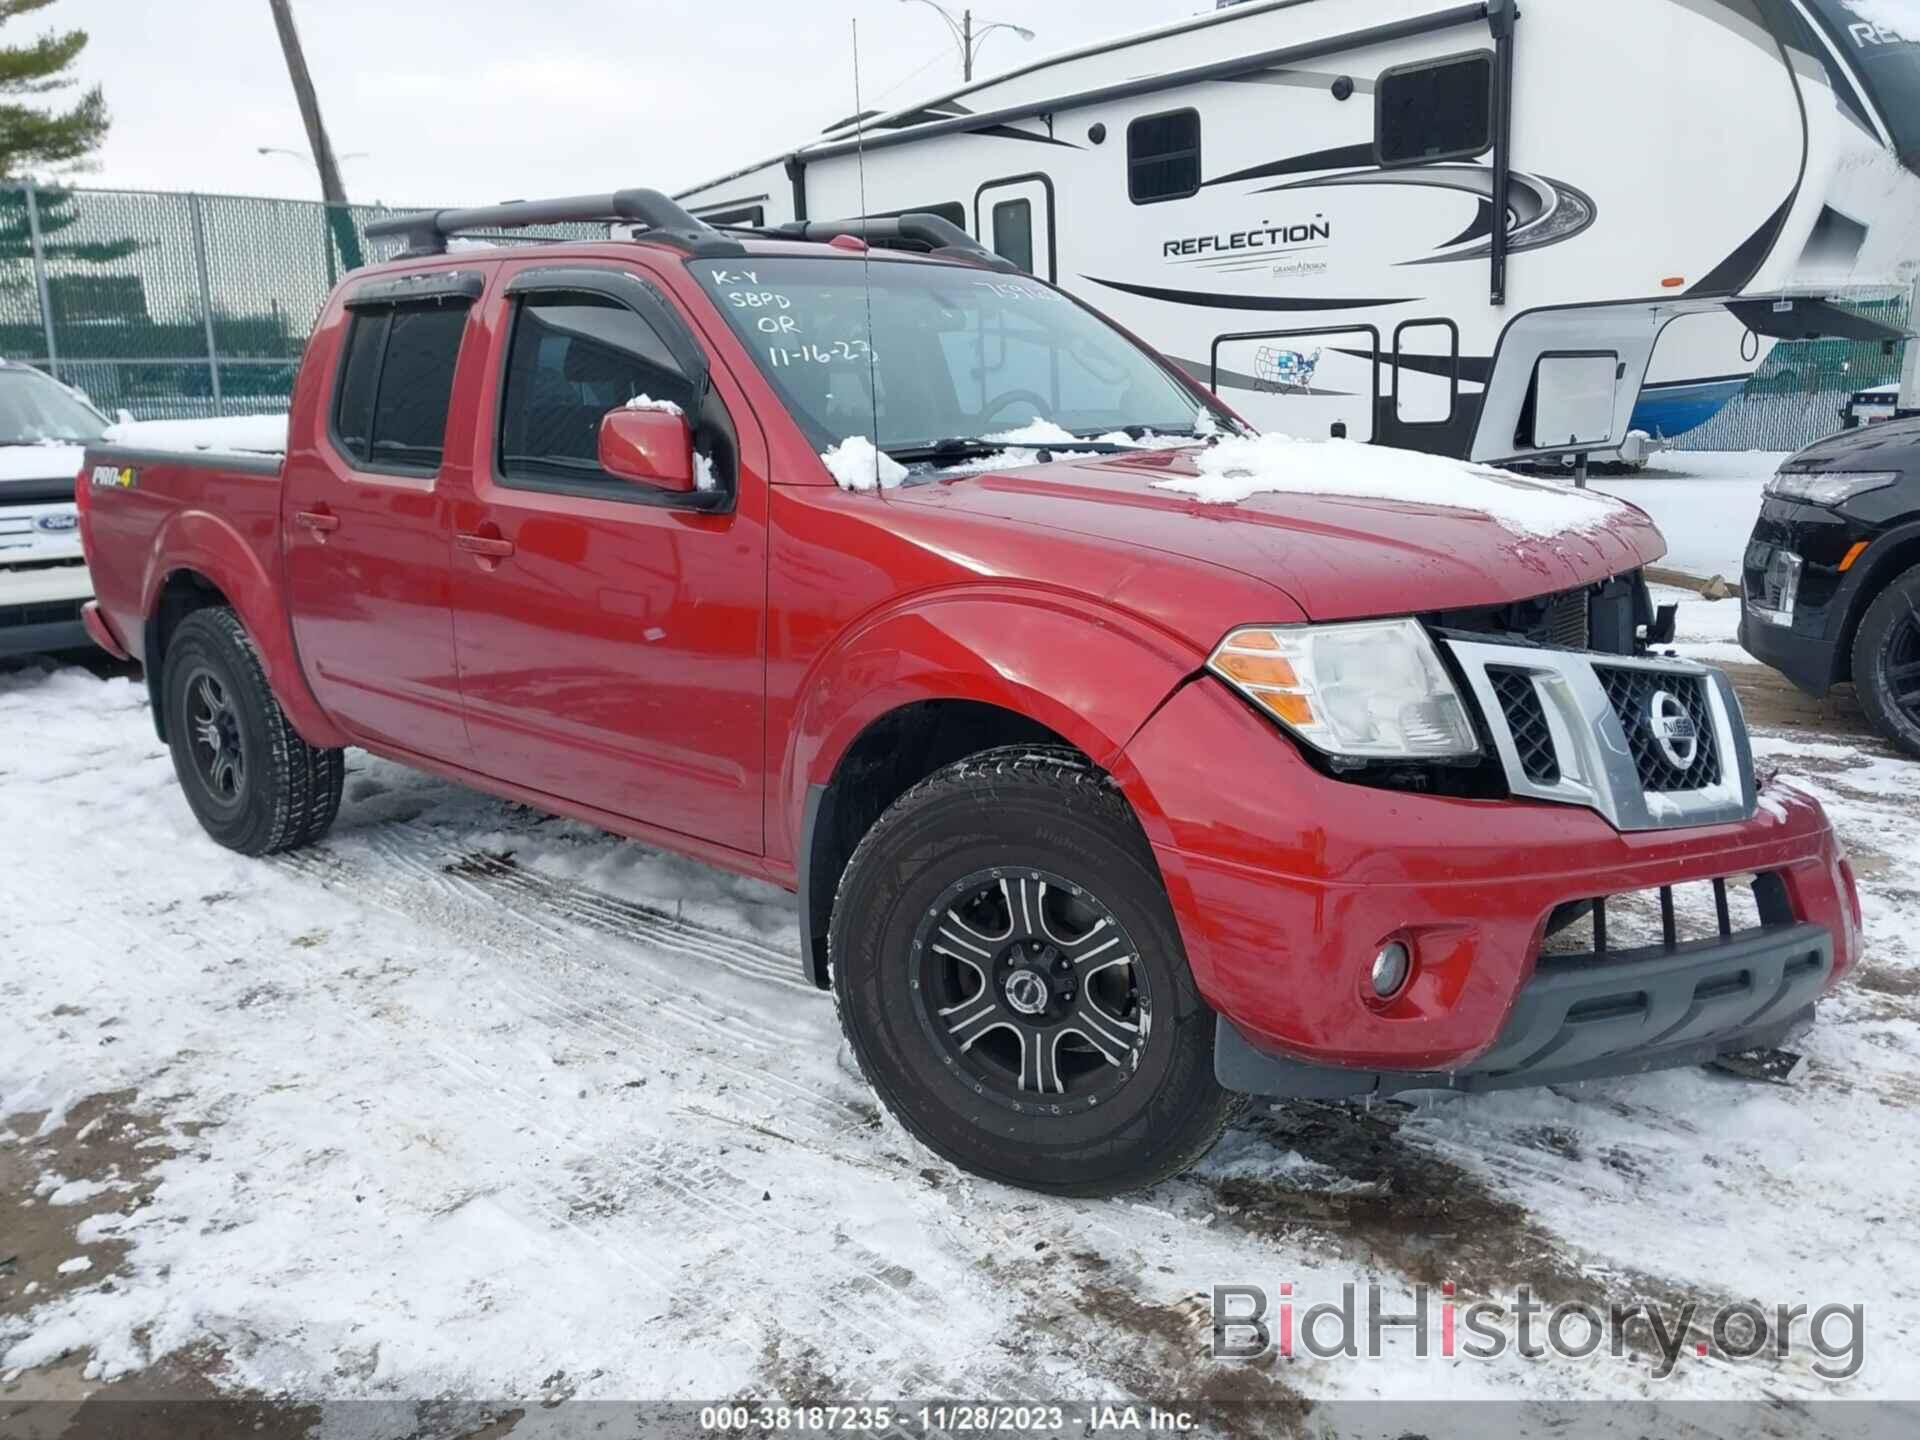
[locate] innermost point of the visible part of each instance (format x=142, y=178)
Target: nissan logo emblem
x=1673, y=730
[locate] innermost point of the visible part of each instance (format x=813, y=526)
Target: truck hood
x=35, y=473
x=1891, y=445
x=1338, y=554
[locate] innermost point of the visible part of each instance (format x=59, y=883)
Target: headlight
x=1369, y=691
x=1828, y=487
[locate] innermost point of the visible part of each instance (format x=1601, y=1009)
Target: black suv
x=1832, y=573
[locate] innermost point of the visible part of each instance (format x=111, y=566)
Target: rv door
x=1014, y=219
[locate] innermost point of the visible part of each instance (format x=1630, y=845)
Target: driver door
x=610, y=636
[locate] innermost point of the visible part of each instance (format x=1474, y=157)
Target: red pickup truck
x=1115, y=777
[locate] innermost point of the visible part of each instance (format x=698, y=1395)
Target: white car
x=43, y=576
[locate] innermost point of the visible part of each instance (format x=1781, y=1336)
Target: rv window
x=1436, y=110
x=1013, y=232
x=1163, y=157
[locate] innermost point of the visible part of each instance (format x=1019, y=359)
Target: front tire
x=1011, y=980
x=251, y=781
x=1886, y=662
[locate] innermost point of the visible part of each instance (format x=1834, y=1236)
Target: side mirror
x=648, y=447
x=123, y=416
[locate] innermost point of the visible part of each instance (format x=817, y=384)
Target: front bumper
x=1811, y=650
x=1582, y=1017
x=1286, y=882
x=40, y=609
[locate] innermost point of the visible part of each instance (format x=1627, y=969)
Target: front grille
x=1527, y=720
x=60, y=612
x=1650, y=744
x=1632, y=694
x=1565, y=625
x=1561, y=621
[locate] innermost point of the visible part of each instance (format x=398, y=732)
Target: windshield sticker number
x=780, y=356
x=1016, y=290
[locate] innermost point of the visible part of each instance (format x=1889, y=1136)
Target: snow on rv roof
x=840, y=129
x=879, y=119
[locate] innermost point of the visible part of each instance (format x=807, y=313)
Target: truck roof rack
x=427, y=231
x=941, y=236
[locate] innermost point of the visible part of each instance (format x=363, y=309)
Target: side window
x=1013, y=232
x=574, y=357
x=1436, y=110
x=1163, y=157
x=391, y=400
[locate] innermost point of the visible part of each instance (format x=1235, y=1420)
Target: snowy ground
x=1705, y=503
x=468, y=1101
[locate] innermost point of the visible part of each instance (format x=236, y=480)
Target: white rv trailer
x=1295, y=199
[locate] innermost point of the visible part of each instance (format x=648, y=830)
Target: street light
x=966, y=37
x=307, y=159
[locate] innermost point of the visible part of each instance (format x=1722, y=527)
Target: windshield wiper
x=958, y=448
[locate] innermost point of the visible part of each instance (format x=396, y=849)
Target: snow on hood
x=48, y=460
x=1238, y=468
x=856, y=465
x=261, y=434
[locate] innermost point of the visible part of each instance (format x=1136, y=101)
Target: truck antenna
x=866, y=254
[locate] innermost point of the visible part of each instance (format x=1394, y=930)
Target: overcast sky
x=470, y=101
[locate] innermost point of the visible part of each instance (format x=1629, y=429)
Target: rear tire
x=1886, y=662
x=252, y=782
x=980, y=985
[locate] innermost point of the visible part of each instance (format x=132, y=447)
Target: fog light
x=1390, y=969
x=1779, y=590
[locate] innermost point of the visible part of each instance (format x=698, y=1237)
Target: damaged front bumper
x=1582, y=1017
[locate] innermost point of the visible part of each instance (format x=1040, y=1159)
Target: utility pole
x=966, y=36
x=332, y=191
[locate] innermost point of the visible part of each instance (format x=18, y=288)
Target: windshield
x=1882, y=40
x=36, y=410
x=956, y=353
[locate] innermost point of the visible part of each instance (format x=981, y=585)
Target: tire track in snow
x=450, y=883
x=867, y=1306
x=450, y=901
x=310, y=983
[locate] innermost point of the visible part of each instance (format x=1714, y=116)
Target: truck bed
x=147, y=513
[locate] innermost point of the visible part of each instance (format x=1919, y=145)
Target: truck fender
x=205, y=544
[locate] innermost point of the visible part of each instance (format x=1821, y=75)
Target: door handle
x=489, y=547
x=321, y=522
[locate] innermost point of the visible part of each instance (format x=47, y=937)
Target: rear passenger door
x=612, y=636
x=365, y=517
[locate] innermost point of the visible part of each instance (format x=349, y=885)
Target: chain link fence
x=1800, y=389
x=171, y=306
x=174, y=306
